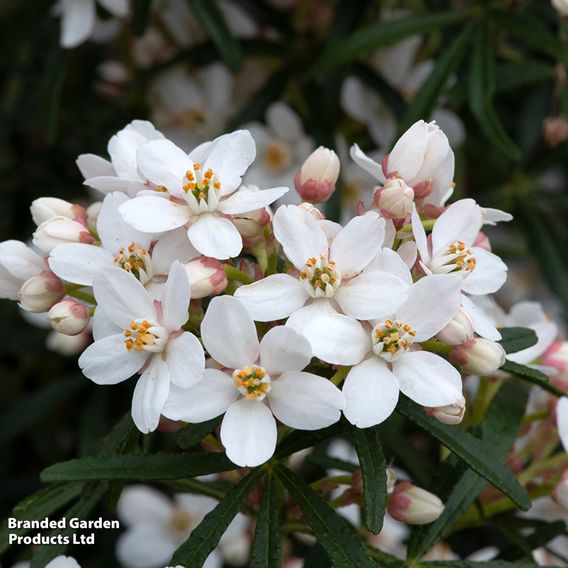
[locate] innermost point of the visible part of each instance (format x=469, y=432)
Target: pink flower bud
x=459, y=330
x=45, y=208
x=58, y=231
x=556, y=356
x=251, y=225
x=40, y=292
x=315, y=180
x=69, y=317
x=451, y=414
x=478, y=356
x=482, y=241
x=207, y=277
x=394, y=199
x=312, y=210
x=560, y=493
x=413, y=505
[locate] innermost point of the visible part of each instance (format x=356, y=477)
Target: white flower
x=263, y=380
x=147, y=337
x=79, y=18
x=331, y=278
x=562, y=421
x=121, y=173
x=144, y=255
x=372, y=387
x=57, y=562
x=18, y=263
x=200, y=191
x=157, y=526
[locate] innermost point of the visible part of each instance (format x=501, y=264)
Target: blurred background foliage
x=498, y=65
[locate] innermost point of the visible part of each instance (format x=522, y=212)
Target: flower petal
x=358, y=243
x=19, y=260
x=150, y=395
x=151, y=214
x=79, y=263
x=108, y=362
x=174, y=245
x=305, y=401
x=185, y=359
x=372, y=167
x=299, y=234
x=248, y=433
x=562, y=417
x=207, y=399
x=146, y=545
x=408, y=154
x=229, y=334
x=482, y=323
x=91, y=165
x=272, y=298
x=462, y=220
x=215, y=236
x=488, y=276
x=428, y=379
x=371, y=393
x=77, y=21
x=175, y=297
x=246, y=201
x=420, y=236
x=282, y=349
x=139, y=502
x=387, y=260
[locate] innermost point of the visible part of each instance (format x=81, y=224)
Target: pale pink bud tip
x=60, y=230
x=207, y=277
x=413, y=505
x=394, y=199
x=40, y=292
x=478, y=356
x=69, y=317
x=315, y=180
x=451, y=414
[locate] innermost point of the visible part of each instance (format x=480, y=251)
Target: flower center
x=137, y=261
x=252, y=382
x=321, y=277
x=391, y=339
x=276, y=156
x=201, y=190
x=457, y=258
x=181, y=521
x=142, y=335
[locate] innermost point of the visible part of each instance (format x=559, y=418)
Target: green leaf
x=140, y=14
x=33, y=408
x=205, y=537
x=531, y=375
x=208, y=14
x=481, y=89
x=471, y=564
x=192, y=434
x=339, y=539
x=515, y=339
x=143, y=467
x=266, y=551
x=456, y=484
x=479, y=456
x=119, y=437
x=365, y=40
x=374, y=470
x=301, y=439
x=427, y=97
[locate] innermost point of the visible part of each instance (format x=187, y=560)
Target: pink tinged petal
x=372, y=167
x=91, y=165
x=372, y=295
x=207, y=399
x=299, y=234
x=246, y=201
x=185, y=359
x=408, y=252
x=489, y=274
x=172, y=246
x=248, y=433
x=121, y=297
x=229, y=157
x=407, y=156
x=273, y=298
x=482, y=323
x=175, y=298
x=19, y=260
x=432, y=302
x=229, y=334
x=154, y=214
x=388, y=260
x=460, y=221
x=282, y=349
x=150, y=395
x=420, y=236
x=562, y=417
x=163, y=163
x=358, y=243
x=305, y=401
x=428, y=379
x=77, y=21
x=335, y=338
x=78, y=263
x=108, y=362
x=371, y=393
x=146, y=544
x=139, y=502
x=215, y=236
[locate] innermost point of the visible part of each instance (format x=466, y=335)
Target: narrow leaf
x=531, y=375
x=339, y=539
x=205, y=537
x=515, y=339
x=192, y=434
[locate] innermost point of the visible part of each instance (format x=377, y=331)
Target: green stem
x=428, y=224
x=437, y=347
x=485, y=394
x=340, y=374
x=236, y=274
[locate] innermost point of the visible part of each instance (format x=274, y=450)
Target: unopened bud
x=207, y=277
x=40, y=292
x=315, y=180
x=45, y=208
x=69, y=317
x=560, y=493
x=478, y=356
x=395, y=199
x=413, y=505
x=451, y=414
x=251, y=225
x=312, y=210
x=58, y=231
x=68, y=345
x=459, y=330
